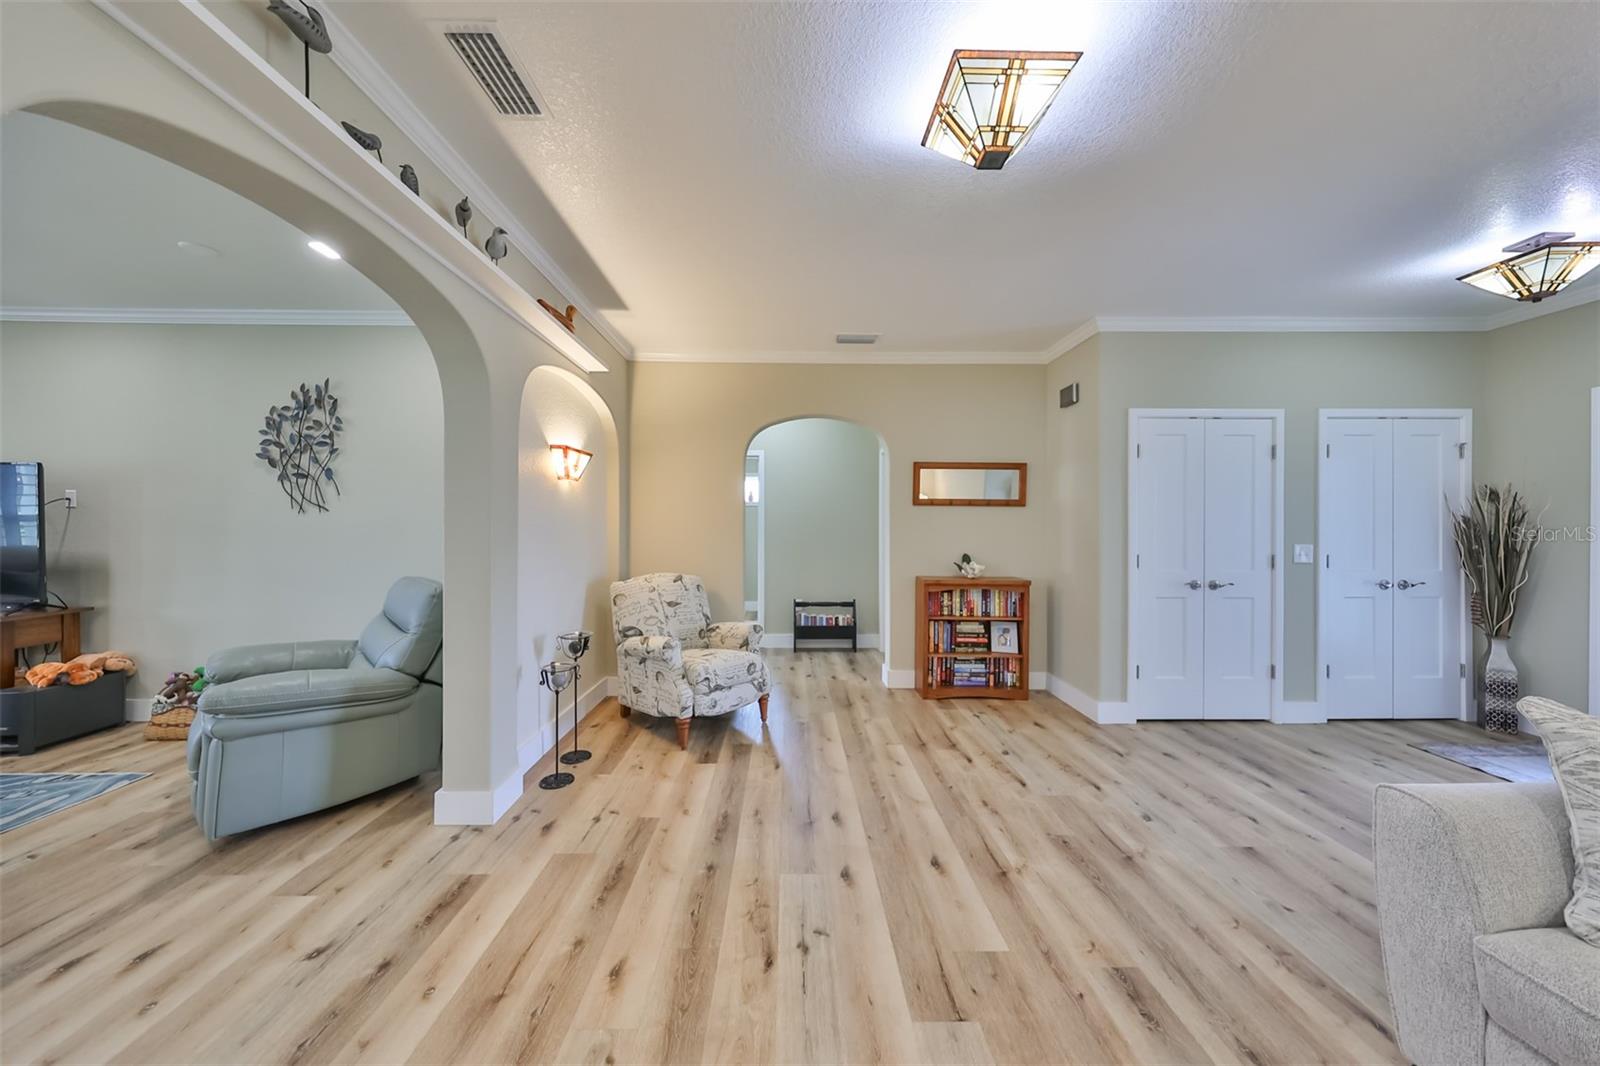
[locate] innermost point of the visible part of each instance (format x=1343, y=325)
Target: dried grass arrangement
x=1495, y=540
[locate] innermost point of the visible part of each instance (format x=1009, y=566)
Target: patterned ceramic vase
x=1500, y=688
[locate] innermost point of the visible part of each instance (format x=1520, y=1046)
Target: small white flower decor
x=969, y=567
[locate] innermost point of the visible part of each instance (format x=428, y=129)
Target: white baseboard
x=485, y=807
x=1097, y=711
x=530, y=751
x=1299, y=712
x=899, y=678
x=476, y=807
x=785, y=642
x=1038, y=681
x=135, y=710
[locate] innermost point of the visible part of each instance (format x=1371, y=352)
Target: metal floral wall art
x=300, y=441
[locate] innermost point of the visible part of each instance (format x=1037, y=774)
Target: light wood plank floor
x=871, y=878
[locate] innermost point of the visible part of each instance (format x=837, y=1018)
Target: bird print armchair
x=674, y=662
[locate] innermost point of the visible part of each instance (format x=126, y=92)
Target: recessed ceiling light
x=991, y=101
x=1540, y=266
x=194, y=248
x=327, y=251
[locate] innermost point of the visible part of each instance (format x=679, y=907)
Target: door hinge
x=1136, y=673
x=1327, y=562
x=1272, y=561
x=1136, y=560
x=1327, y=671
x=1327, y=451
x=1272, y=671
x=1274, y=452
x=1463, y=669
x=1461, y=450
x=1138, y=451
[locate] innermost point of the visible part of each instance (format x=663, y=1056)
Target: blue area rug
x=26, y=798
x=1518, y=759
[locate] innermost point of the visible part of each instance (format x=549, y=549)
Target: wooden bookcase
x=935, y=624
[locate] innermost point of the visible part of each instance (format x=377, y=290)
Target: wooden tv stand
x=33, y=627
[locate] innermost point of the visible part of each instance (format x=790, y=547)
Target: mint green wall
x=822, y=517
x=1534, y=433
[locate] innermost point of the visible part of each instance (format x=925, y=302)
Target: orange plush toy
x=82, y=670
x=109, y=662
x=45, y=674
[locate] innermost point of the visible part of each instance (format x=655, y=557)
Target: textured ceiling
x=92, y=223
x=747, y=177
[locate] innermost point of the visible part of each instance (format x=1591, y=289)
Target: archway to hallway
x=816, y=533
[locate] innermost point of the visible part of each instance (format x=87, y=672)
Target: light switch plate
x=1303, y=553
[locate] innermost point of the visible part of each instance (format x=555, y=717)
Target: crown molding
x=1547, y=306
x=205, y=316
x=848, y=358
x=1142, y=324
x=362, y=68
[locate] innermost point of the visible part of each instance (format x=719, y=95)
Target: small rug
x=1509, y=760
x=26, y=798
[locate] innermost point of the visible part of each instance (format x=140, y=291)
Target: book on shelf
x=975, y=603
x=955, y=672
x=811, y=618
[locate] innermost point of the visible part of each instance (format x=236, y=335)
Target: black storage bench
x=31, y=718
x=825, y=620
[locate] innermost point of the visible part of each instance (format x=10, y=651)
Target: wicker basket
x=170, y=725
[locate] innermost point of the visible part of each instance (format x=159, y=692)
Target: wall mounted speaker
x=1069, y=395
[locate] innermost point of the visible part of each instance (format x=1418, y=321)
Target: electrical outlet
x=71, y=496
x=1303, y=553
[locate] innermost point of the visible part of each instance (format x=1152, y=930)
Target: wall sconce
x=570, y=462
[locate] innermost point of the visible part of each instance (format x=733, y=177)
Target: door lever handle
x=1384, y=584
x=1192, y=584
x=1215, y=585
x=1403, y=584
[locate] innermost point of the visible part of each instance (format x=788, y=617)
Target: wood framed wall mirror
x=969, y=484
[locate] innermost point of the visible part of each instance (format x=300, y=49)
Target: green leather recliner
x=287, y=729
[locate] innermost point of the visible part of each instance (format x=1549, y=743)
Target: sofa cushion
x=1543, y=987
x=409, y=632
x=1572, y=740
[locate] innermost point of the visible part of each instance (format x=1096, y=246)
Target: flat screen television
x=21, y=535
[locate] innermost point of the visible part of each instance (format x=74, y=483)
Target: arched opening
x=569, y=548
x=479, y=701
x=816, y=534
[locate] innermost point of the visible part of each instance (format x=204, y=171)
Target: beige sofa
x=1471, y=883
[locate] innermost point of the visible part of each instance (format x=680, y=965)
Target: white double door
x=1391, y=626
x=1202, y=591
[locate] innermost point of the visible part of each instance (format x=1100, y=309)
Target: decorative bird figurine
x=566, y=318
x=463, y=215
x=305, y=22
x=369, y=141
x=496, y=245
x=408, y=178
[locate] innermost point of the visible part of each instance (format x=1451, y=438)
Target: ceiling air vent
x=856, y=338
x=494, y=69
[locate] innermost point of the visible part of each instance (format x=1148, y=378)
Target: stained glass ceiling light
x=991, y=101
x=1541, y=266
